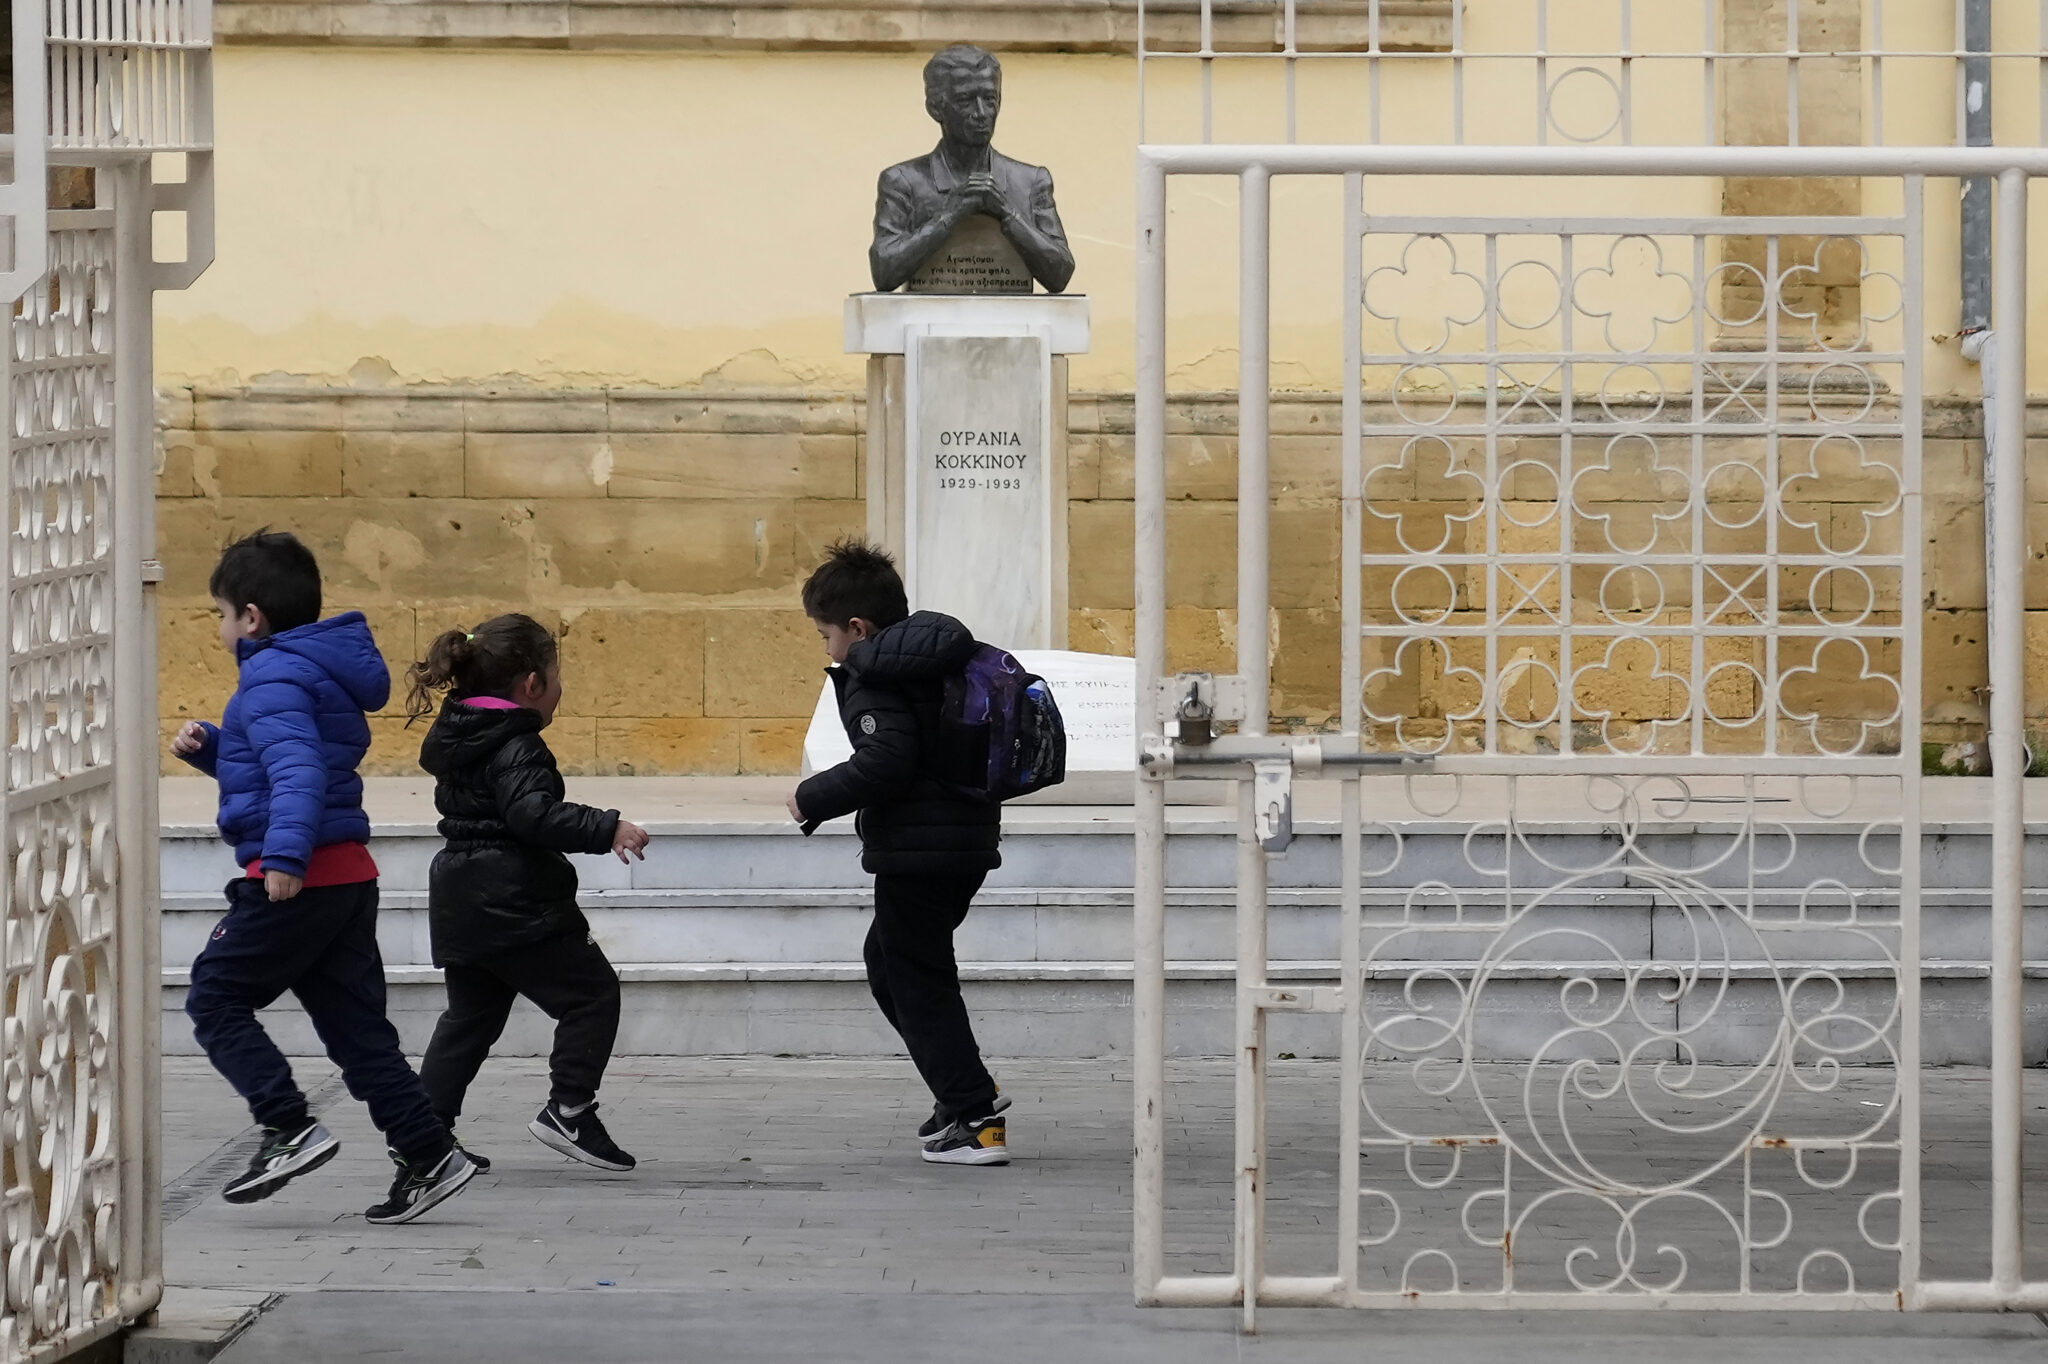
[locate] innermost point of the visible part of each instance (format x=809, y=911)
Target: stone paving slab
x=794, y=1328
x=776, y=1196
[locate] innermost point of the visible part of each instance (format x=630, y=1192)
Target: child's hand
x=190, y=738
x=796, y=812
x=630, y=838
x=282, y=885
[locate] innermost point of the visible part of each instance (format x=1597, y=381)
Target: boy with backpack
x=929, y=843
x=303, y=916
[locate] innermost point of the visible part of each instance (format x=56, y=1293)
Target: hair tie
x=470, y=637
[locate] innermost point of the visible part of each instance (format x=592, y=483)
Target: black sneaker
x=981, y=1142
x=282, y=1157
x=581, y=1137
x=482, y=1163
x=419, y=1187
x=939, y=1122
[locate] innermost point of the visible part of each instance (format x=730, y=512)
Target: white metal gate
x=1674, y=584
x=110, y=87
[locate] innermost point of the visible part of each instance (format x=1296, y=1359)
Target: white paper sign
x=1097, y=695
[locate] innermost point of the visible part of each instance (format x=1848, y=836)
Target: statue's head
x=963, y=92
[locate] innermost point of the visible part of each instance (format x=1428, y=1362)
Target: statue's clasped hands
x=979, y=193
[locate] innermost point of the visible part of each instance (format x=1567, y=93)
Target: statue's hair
x=961, y=59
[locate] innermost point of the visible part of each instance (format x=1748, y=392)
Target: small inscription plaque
x=976, y=259
x=979, y=509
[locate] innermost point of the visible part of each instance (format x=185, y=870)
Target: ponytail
x=486, y=661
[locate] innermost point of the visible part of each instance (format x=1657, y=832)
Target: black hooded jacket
x=890, y=689
x=502, y=882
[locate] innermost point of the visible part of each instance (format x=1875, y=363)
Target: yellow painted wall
x=679, y=219
x=568, y=219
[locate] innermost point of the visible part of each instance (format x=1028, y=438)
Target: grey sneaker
x=282, y=1157
x=420, y=1187
x=982, y=1142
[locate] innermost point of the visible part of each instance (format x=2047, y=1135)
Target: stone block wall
x=664, y=535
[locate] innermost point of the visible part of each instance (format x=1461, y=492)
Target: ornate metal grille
x=1630, y=502
x=1629, y=987
x=113, y=87
x=1583, y=72
x=61, y=1133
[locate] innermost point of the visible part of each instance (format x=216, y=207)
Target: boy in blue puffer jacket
x=304, y=916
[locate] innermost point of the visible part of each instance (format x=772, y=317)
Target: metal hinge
x=152, y=571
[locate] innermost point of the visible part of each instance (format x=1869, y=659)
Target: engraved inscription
x=976, y=259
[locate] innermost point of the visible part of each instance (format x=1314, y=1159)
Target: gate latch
x=1196, y=703
x=1273, y=803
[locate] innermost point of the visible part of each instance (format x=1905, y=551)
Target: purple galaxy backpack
x=1000, y=733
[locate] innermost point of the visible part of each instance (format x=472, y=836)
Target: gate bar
x=138, y=937
x=1148, y=922
x=2008, y=739
x=1254, y=664
x=1659, y=162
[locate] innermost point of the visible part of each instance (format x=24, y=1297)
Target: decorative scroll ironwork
x=1705, y=1005
x=59, y=1181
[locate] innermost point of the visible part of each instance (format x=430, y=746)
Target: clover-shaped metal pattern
x=1424, y=693
x=1630, y=496
x=1633, y=295
x=1427, y=498
x=1625, y=689
x=1844, y=701
x=1426, y=296
x=1835, y=267
x=1837, y=492
x=1603, y=467
x=60, y=1185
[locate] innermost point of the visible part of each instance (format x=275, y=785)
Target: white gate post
x=139, y=939
x=1254, y=594
x=1148, y=919
x=2008, y=739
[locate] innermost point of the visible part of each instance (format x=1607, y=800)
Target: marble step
x=740, y=935
x=1082, y=1009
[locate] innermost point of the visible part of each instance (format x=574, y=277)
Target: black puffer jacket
x=890, y=689
x=502, y=881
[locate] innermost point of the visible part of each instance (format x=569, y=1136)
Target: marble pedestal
x=966, y=452
x=967, y=486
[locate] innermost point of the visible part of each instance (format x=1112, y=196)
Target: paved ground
x=780, y=1212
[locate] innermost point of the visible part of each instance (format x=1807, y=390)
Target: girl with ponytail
x=501, y=898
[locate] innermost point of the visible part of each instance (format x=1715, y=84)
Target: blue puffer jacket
x=286, y=751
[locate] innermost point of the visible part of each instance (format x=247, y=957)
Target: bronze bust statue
x=966, y=218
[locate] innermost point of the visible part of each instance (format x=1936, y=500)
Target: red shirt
x=332, y=864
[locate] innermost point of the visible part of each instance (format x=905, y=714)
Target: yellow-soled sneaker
x=981, y=1142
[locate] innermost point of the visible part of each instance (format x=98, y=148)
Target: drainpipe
x=1979, y=343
